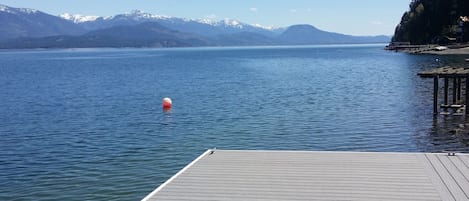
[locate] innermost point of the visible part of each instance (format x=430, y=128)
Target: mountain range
x=29, y=28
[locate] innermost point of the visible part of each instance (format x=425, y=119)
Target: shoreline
x=458, y=51
x=432, y=49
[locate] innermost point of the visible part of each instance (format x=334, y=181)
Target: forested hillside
x=434, y=21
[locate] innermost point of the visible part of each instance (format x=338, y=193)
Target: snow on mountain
x=227, y=22
x=141, y=16
x=77, y=18
x=223, y=23
x=7, y=9
x=135, y=25
x=3, y=8
x=25, y=22
x=264, y=27
x=135, y=15
x=27, y=10
x=232, y=23
x=204, y=21
x=138, y=14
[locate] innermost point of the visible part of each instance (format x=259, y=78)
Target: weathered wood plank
x=456, y=72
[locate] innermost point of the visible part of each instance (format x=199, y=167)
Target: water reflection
x=449, y=133
x=167, y=110
x=442, y=132
x=336, y=98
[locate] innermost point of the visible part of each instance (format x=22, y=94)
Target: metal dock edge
x=149, y=196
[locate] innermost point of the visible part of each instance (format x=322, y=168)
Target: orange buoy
x=167, y=103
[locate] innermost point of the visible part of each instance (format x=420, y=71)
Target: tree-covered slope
x=432, y=21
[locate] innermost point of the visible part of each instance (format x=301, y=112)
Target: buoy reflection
x=166, y=109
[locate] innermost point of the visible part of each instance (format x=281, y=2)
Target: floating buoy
x=167, y=103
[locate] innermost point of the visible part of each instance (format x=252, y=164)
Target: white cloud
x=293, y=10
x=253, y=9
x=376, y=22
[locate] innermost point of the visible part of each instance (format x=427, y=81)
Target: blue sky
x=355, y=17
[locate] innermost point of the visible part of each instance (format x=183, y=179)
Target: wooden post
x=459, y=89
x=446, y=92
x=467, y=94
x=435, y=95
x=455, y=86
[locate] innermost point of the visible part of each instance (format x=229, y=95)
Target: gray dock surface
x=307, y=175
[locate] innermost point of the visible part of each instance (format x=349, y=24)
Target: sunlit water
x=88, y=124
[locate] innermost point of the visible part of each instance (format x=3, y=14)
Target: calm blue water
x=88, y=124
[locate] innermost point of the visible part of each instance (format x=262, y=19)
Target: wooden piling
x=467, y=94
x=455, y=86
x=459, y=90
x=446, y=92
x=457, y=74
x=435, y=95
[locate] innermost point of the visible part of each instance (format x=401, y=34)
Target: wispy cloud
x=293, y=10
x=253, y=9
x=376, y=22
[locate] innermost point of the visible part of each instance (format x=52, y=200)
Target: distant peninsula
x=22, y=28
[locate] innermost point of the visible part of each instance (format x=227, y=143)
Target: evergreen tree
x=431, y=21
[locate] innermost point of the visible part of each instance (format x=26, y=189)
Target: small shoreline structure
x=457, y=75
x=318, y=175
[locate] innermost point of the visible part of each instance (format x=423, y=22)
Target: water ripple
x=87, y=125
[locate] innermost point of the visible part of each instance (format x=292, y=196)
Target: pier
x=314, y=175
x=456, y=75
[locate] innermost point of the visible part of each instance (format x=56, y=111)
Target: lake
x=87, y=124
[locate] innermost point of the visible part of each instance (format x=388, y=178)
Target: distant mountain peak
x=208, y=21
x=77, y=18
x=139, y=14
x=232, y=23
x=303, y=26
x=7, y=9
x=141, y=29
x=270, y=28
x=227, y=22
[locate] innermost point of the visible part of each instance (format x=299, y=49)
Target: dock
x=456, y=75
x=314, y=175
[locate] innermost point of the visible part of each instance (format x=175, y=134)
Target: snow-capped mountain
x=205, y=27
x=140, y=15
x=29, y=28
x=223, y=23
x=78, y=18
x=12, y=10
x=24, y=22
